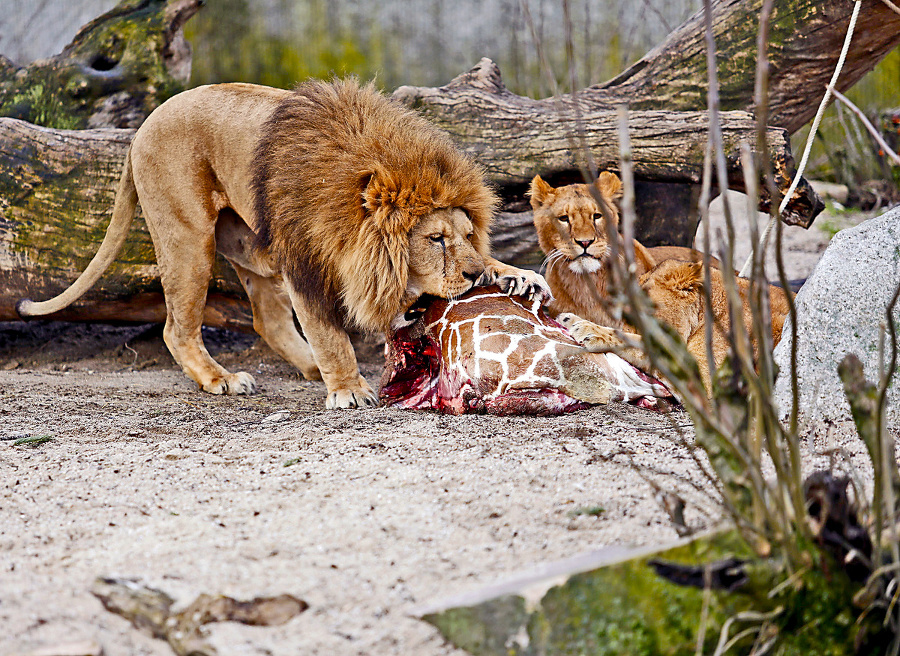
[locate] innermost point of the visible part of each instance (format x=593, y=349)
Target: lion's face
x=570, y=226
x=442, y=258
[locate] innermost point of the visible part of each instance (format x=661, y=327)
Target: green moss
x=58, y=236
x=475, y=628
x=627, y=609
x=232, y=45
x=63, y=92
x=39, y=103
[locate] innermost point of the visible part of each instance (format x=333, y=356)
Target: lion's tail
x=116, y=233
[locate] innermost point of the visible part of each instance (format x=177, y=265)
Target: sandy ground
x=363, y=514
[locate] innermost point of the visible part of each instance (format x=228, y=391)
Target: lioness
x=572, y=233
x=676, y=289
x=330, y=200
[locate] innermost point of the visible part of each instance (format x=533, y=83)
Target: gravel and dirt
x=363, y=514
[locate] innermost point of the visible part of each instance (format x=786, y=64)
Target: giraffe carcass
x=489, y=352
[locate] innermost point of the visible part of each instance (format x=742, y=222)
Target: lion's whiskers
x=552, y=258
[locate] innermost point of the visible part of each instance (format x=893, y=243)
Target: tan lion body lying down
x=572, y=232
x=330, y=201
x=676, y=288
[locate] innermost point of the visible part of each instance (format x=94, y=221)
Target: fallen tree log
x=56, y=187
x=514, y=137
x=805, y=40
x=56, y=192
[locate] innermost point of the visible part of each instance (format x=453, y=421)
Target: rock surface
x=841, y=308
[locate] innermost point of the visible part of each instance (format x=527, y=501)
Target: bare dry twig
x=868, y=125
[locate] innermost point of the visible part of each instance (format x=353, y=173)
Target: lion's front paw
x=522, y=282
x=591, y=336
x=361, y=396
x=568, y=319
x=237, y=383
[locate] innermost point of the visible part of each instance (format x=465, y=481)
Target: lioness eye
x=597, y=216
x=470, y=235
x=562, y=218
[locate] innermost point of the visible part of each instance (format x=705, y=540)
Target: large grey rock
x=840, y=309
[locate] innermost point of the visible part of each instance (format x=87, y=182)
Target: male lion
x=330, y=200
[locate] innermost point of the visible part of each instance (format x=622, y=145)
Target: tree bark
x=514, y=137
x=116, y=70
x=805, y=40
x=56, y=192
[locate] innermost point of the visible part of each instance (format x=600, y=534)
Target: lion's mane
x=341, y=176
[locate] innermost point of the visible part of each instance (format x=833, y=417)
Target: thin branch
x=708, y=317
x=868, y=125
x=812, y=132
x=715, y=123
x=627, y=173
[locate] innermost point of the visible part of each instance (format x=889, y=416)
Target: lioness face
x=570, y=225
x=442, y=260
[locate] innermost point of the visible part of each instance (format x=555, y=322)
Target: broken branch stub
x=116, y=70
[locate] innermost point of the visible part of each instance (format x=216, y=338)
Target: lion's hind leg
x=185, y=294
x=273, y=320
x=273, y=316
x=184, y=239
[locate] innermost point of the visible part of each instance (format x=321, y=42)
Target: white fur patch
x=585, y=265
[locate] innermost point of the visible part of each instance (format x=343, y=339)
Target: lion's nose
x=584, y=243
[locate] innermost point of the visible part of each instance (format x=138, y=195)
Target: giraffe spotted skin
x=489, y=352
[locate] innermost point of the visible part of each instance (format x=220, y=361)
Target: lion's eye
x=597, y=216
x=470, y=236
x=562, y=218
x=437, y=239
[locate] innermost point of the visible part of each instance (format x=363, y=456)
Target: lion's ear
x=379, y=191
x=386, y=202
x=609, y=185
x=540, y=192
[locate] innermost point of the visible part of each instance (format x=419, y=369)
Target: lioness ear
x=685, y=277
x=540, y=191
x=609, y=185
